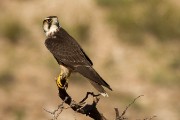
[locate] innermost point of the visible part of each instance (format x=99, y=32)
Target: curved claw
x=62, y=82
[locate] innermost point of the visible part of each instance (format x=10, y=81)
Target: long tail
x=99, y=88
x=94, y=77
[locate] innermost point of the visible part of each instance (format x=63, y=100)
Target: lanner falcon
x=69, y=55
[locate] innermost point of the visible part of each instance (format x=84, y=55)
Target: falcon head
x=50, y=25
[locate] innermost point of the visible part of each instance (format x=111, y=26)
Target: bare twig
x=117, y=112
x=118, y=117
x=150, y=118
x=121, y=117
x=123, y=113
x=55, y=113
x=84, y=108
x=87, y=94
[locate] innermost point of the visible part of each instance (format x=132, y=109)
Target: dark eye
x=49, y=20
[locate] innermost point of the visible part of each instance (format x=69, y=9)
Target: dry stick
x=60, y=107
x=117, y=112
x=54, y=112
x=152, y=117
x=149, y=118
x=87, y=109
x=123, y=113
x=87, y=94
x=121, y=117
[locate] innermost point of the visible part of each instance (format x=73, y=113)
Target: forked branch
x=87, y=109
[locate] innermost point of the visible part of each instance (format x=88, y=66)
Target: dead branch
x=57, y=111
x=121, y=117
x=150, y=118
x=81, y=107
x=87, y=109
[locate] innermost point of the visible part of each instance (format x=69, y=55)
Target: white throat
x=52, y=30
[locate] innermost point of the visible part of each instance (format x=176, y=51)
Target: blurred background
x=134, y=44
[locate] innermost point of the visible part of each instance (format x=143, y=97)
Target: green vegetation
x=175, y=64
x=81, y=32
x=169, y=74
x=166, y=78
x=6, y=79
x=19, y=113
x=13, y=30
x=134, y=19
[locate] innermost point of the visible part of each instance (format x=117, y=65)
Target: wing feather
x=66, y=50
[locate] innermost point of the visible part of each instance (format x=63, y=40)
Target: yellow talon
x=58, y=82
x=62, y=82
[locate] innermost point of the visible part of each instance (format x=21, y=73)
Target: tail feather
x=99, y=88
x=96, y=80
